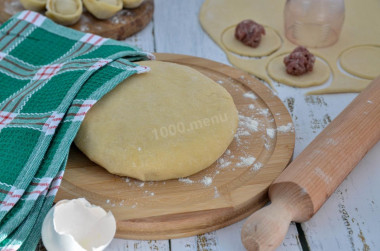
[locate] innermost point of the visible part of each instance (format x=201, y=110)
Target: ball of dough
x=168, y=123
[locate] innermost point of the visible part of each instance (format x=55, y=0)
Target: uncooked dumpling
x=168, y=123
x=35, y=5
x=65, y=12
x=103, y=9
x=130, y=4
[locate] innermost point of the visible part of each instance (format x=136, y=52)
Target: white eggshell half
x=73, y=225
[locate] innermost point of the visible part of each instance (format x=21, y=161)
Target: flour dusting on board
x=271, y=132
x=249, y=123
x=256, y=166
x=246, y=161
x=216, y=193
x=250, y=95
x=264, y=112
x=186, y=180
x=222, y=163
x=206, y=180
x=285, y=128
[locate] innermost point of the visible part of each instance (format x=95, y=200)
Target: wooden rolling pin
x=303, y=187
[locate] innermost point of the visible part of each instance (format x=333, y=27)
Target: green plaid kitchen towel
x=50, y=76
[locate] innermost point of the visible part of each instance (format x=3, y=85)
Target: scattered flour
x=206, y=181
x=216, y=193
x=257, y=166
x=222, y=163
x=246, y=161
x=271, y=132
x=186, y=180
x=264, y=112
x=228, y=151
x=267, y=142
x=139, y=149
x=127, y=180
x=220, y=81
x=369, y=101
x=251, y=106
x=115, y=20
x=242, y=132
x=141, y=184
x=250, y=95
x=251, y=124
x=285, y=128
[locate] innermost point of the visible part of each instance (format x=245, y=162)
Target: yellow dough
x=360, y=28
x=270, y=42
x=362, y=61
x=35, y=5
x=319, y=75
x=130, y=4
x=103, y=9
x=168, y=123
x=65, y=12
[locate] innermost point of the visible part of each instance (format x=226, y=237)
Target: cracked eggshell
x=77, y=225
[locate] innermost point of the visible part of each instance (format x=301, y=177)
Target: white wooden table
x=349, y=220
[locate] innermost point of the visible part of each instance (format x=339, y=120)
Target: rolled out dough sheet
x=360, y=28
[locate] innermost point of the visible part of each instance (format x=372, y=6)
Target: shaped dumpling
x=65, y=12
x=103, y=9
x=130, y=4
x=35, y=5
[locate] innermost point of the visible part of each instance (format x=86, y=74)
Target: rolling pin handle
x=266, y=229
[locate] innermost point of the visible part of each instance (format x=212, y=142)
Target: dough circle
x=362, y=61
x=168, y=123
x=277, y=71
x=270, y=43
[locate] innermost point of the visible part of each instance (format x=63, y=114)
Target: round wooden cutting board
x=229, y=190
x=122, y=25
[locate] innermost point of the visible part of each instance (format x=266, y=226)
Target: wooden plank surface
x=350, y=218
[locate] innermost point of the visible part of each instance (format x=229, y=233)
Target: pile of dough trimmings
x=168, y=123
x=68, y=12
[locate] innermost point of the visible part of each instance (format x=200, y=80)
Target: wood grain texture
x=342, y=223
x=171, y=209
x=313, y=176
x=122, y=25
